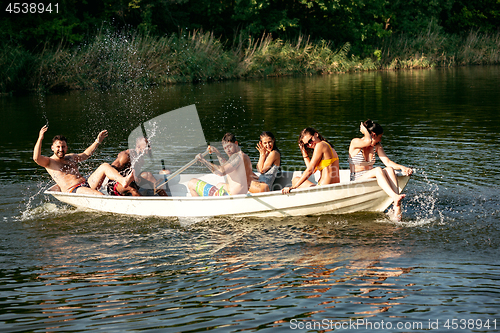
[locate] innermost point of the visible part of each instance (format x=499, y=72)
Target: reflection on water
x=221, y=272
x=63, y=269
x=247, y=274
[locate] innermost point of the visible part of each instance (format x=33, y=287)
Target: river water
x=63, y=269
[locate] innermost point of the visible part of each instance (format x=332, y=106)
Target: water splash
x=188, y=221
x=42, y=106
x=38, y=206
x=30, y=201
x=47, y=209
x=421, y=208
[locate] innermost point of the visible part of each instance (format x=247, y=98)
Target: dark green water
x=67, y=270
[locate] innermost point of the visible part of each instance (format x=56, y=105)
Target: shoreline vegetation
x=124, y=59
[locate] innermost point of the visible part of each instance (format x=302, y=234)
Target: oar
x=167, y=189
x=163, y=168
x=172, y=175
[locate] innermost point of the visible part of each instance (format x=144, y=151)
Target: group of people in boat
x=319, y=155
x=317, y=152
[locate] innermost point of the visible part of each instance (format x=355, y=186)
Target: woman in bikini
x=362, y=157
x=324, y=159
x=269, y=158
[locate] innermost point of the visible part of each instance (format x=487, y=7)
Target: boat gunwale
x=317, y=188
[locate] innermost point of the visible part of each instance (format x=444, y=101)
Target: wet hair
x=311, y=131
x=373, y=127
x=229, y=137
x=59, y=138
x=269, y=135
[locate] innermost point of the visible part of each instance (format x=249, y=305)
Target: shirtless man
x=63, y=167
x=238, y=169
x=132, y=160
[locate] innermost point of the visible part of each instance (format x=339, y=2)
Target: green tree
x=465, y=15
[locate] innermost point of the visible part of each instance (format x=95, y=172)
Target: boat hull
x=345, y=197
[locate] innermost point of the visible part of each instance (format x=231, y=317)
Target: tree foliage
x=362, y=23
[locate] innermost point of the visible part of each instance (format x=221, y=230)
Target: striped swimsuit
x=359, y=160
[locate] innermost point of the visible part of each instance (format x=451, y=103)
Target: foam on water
x=47, y=209
x=188, y=221
x=38, y=206
x=420, y=208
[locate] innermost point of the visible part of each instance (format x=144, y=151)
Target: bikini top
x=325, y=163
x=359, y=159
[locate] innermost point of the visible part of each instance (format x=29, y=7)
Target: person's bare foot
x=397, y=207
x=397, y=201
x=397, y=213
x=127, y=180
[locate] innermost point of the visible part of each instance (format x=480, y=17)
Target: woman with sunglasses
x=324, y=159
x=362, y=157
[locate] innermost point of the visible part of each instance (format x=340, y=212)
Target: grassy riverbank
x=127, y=59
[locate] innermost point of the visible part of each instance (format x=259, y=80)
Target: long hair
x=270, y=135
x=373, y=127
x=311, y=131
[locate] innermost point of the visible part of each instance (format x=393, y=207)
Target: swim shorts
x=207, y=190
x=73, y=188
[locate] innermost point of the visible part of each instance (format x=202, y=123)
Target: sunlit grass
x=117, y=59
x=440, y=50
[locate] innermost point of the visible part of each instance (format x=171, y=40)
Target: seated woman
x=269, y=159
x=362, y=157
x=324, y=158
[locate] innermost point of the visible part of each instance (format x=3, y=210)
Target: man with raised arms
x=238, y=169
x=63, y=167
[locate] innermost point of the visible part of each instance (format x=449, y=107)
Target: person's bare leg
x=385, y=184
x=192, y=187
x=306, y=183
x=130, y=189
x=95, y=179
x=258, y=187
x=86, y=190
x=397, y=207
x=392, y=179
x=128, y=180
x=149, y=177
x=100, y=181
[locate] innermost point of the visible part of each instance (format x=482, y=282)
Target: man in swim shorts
x=131, y=160
x=238, y=169
x=63, y=167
